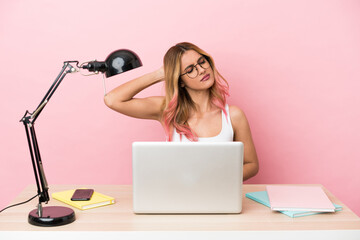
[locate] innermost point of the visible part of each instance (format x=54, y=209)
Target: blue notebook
x=262, y=197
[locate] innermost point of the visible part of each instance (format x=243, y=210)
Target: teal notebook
x=262, y=197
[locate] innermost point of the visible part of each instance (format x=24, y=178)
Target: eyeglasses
x=192, y=71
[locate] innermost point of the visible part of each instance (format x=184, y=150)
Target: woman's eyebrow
x=192, y=65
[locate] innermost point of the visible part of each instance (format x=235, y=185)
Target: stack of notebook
x=295, y=201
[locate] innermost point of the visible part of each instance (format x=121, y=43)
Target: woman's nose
x=200, y=69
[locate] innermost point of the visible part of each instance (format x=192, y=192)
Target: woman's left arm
x=242, y=134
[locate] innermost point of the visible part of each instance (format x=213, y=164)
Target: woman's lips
x=206, y=77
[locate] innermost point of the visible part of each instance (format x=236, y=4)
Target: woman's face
x=196, y=72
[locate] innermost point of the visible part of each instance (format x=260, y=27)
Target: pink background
x=292, y=66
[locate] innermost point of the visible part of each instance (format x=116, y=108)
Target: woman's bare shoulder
x=236, y=113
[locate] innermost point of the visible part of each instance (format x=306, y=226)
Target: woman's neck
x=202, y=102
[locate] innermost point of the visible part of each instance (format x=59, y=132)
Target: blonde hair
x=178, y=102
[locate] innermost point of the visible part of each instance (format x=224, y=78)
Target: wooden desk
x=119, y=218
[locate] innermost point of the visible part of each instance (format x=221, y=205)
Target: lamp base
x=52, y=216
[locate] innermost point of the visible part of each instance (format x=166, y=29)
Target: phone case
x=82, y=194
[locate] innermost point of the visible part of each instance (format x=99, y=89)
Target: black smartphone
x=82, y=194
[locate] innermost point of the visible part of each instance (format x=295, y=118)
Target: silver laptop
x=193, y=177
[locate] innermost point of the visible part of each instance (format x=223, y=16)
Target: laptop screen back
x=194, y=177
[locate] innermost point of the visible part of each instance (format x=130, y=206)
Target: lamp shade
x=121, y=61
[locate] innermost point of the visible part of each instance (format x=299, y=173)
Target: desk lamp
x=117, y=62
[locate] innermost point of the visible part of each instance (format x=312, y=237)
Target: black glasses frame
x=197, y=68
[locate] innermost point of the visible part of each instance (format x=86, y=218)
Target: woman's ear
x=182, y=84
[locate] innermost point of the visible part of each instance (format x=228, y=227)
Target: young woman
x=194, y=106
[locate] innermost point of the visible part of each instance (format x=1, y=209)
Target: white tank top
x=226, y=134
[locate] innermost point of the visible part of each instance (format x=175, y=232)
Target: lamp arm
x=53, y=88
x=29, y=120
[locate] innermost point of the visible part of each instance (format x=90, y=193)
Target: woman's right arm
x=121, y=99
